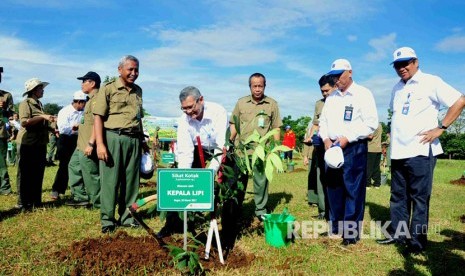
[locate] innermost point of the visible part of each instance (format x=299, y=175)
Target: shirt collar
x=264, y=100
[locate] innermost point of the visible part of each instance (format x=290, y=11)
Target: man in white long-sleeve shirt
x=68, y=122
x=204, y=122
x=349, y=116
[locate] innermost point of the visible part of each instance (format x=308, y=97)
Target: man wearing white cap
x=415, y=102
x=69, y=118
x=348, y=117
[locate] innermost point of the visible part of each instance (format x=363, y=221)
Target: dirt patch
x=460, y=181
x=121, y=254
x=462, y=218
x=298, y=170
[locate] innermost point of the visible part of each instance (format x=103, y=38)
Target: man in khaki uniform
x=374, y=158
x=261, y=113
x=32, y=142
x=83, y=169
x=6, y=109
x=119, y=137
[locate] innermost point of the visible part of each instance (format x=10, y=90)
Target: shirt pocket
x=118, y=103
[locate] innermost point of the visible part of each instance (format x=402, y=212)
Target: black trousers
x=411, y=186
x=65, y=149
x=30, y=174
x=373, y=169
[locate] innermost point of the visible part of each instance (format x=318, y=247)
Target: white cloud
x=382, y=46
x=352, y=38
x=455, y=44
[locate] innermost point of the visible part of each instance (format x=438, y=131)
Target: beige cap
x=30, y=84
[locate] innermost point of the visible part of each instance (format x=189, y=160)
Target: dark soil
x=121, y=254
x=462, y=218
x=460, y=181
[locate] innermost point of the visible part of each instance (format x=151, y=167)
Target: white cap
x=403, y=54
x=339, y=66
x=146, y=164
x=79, y=96
x=334, y=157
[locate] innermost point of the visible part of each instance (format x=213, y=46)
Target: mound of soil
x=460, y=181
x=121, y=254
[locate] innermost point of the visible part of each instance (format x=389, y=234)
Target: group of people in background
x=101, y=140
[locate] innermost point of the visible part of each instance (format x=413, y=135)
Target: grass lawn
x=28, y=240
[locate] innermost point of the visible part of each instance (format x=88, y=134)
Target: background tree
x=52, y=108
x=299, y=127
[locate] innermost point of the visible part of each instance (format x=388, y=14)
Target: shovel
x=133, y=211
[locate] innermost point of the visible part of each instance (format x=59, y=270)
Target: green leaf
x=260, y=151
x=269, y=170
x=267, y=135
x=247, y=162
x=280, y=148
x=254, y=137
x=277, y=162
x=254, y=157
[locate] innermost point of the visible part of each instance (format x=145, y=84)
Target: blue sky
x=215, y=45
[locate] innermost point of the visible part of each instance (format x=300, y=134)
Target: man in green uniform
x=84, y=179
x=316, y=178
x=119, y=136
x=261, y=113
x=374, y=158
x=6, y=109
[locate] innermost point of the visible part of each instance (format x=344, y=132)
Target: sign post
x=185, y=190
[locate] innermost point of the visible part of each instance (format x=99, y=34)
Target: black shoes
x=135, y=224
x=387, y=241
x=77, y=203
x=346, y=242
x=412, y=250
x=108, y=229
x=165, y=232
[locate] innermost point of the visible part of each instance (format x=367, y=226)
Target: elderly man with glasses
x=202, y=122
x=415, y=102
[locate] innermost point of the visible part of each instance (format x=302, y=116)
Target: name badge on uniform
x=406, y=105
x=348, y=113
x=405, y=108
x=261, y=119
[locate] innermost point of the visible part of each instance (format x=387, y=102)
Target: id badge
x=405, y=108
x=348, y=113
x=261, y=121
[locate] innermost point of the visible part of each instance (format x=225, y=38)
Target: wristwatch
x=442, y=126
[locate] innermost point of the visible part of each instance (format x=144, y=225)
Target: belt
x=126, y=132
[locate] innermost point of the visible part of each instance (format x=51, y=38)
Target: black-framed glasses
x=189, y=109
x=87, y=80
x=401, y=64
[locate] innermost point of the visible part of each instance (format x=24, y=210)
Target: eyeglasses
x=401, y=64
x=79, y=101
x=88, y=80
x=189, y=109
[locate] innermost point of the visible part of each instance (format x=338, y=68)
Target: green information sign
x=185, y=190
x=167, y=158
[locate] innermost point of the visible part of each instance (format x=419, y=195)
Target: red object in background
x=289, y=139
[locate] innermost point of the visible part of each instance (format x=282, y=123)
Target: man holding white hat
x=69, y=118
x=348, y=117
x=415, y=102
